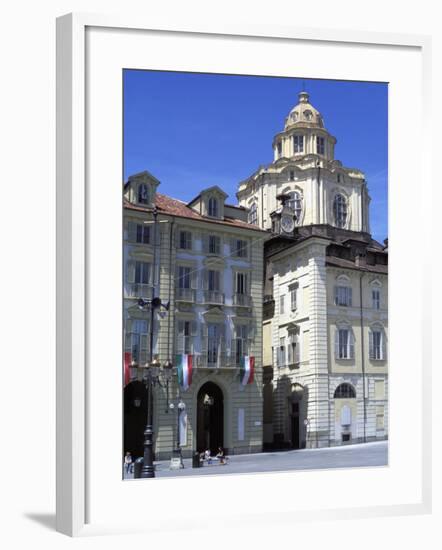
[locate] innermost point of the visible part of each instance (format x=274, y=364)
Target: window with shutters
x=281, y=352
x=136, y=340
x=281, y=304
x=240, y=343
x=184, y=277
x=185, y=240
x=242, y=295
x=139, y=278
x=298, y=143
x=139, y=233
x=214, y=244
x=186, y=332
x=238, y=248
x=213, y=280
x=343, y=296
x=376, y=298
x=344, y=343
x=377, y=348
x=214, y=343
x=213, y=207
x=143, y=194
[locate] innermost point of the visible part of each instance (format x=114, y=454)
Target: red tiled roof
x=175, y=207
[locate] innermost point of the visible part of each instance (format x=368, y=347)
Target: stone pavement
x=347, y=456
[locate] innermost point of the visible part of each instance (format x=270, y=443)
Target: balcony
x=213, y=361
x=242, y=300
x=213, y=297
x=139, y=290
x=185, y=295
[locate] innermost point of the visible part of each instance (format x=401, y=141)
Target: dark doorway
x=210, y=418
x=135, y=418
x=294, y=417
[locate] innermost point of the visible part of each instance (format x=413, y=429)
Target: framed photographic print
x=234, y=227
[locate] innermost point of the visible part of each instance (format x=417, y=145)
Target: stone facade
x=209, y=265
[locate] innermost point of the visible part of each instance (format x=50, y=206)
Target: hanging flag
x=184, y=368
x=247, y=370
x=127, y=362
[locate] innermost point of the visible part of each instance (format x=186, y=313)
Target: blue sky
x=192, y=131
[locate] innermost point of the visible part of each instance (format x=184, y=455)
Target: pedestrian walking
x=127, y=462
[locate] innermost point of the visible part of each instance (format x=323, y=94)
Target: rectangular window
x=239, y=248
x=184, y=277
x=142, y=273
x=376, y=298
x=343, y=296
x=185, y=240
x=186, y=331
x=138, y=233
x=281, y=304
x=344, y=344
x=213, y=280
x=137, y=340
x=298, y=144
x=240, y=344
x=376, y=345
x=293, y=294
x=241, y=283
x=282, y=351
x=214, y=342
x=320, y=145
x=214, y=244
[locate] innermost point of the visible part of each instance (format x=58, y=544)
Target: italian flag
x=184, y=369
x=127, y=362
x=247, y=370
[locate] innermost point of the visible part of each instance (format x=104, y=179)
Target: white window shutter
x=130, y=271
x=351, y=340
x=194, y=278
x=337, y=343
x=143, y=348
x=383, y=346
x=194, y=328
x=371, y=345
x=336, y=296
x=205, y=241
x=350, y=297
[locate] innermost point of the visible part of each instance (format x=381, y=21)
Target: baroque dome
x=304, y=114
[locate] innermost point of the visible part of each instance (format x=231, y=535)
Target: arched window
x=345, y=391
x=213, y=207
x=253, y=214
x=340, y=210
x=143, y=194
x=295, y=203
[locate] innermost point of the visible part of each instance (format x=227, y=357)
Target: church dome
x=304, y=114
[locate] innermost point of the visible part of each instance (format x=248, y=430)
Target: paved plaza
x=348, y=456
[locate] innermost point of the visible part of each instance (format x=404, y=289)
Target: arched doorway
x=135, y=418
x=210, y=418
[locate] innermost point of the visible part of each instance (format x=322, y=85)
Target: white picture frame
x=81, y=41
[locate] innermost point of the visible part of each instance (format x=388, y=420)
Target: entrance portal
x=135, y=417
x=210, y=418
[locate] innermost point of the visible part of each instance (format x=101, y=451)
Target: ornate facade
x=206, y=263
x=325, y=329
